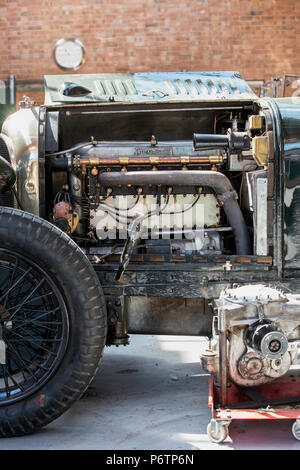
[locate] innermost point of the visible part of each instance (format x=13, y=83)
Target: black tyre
x=52, y=322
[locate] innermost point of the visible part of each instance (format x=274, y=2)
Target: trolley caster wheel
x=217, y=431
x=296, y=429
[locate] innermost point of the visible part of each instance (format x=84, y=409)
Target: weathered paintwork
x=289, y=109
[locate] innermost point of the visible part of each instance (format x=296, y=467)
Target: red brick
x=260, y=39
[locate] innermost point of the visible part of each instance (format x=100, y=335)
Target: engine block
x=177, y=215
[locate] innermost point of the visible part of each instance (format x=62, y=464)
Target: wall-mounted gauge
x=69, y=54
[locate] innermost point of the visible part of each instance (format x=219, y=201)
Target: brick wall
x=260, y=38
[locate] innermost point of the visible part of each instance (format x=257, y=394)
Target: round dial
x=69, y=54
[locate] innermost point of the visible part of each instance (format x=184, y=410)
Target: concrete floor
x=151, y=395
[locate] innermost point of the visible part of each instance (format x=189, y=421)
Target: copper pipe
x=149, y=160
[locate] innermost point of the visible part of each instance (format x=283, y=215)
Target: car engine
x=181, y=196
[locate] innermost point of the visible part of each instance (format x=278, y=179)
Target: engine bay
x=178, y=182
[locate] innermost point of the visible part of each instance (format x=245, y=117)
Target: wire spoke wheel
x=53, y=323
x=34, y=327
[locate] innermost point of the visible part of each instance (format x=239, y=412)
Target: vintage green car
x=136, y=199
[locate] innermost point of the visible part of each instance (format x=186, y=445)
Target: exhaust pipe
x=226, y=195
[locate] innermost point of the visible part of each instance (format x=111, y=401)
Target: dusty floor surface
x=151, y=395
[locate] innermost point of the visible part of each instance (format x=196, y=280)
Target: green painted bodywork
x=289, y=109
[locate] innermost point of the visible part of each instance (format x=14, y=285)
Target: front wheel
x=52, y=322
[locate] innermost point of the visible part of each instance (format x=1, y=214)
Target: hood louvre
x=151, y=87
